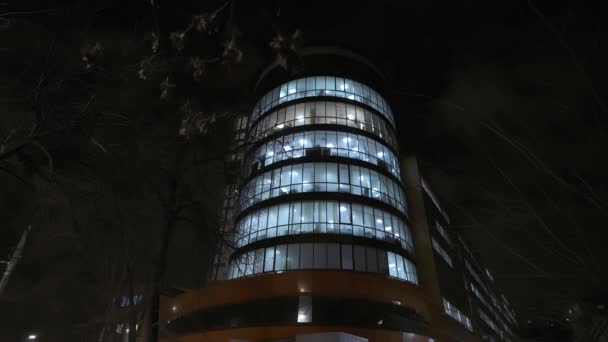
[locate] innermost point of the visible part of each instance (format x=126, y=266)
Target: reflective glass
x=314, y=177
x=321, y=256
x=324, y=217
x=326, y=143
x=322, y=86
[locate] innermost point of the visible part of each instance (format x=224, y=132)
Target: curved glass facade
x=322, y=86
x=322, y=217
x=323, y=112
x=326, y=143
x=354, y=203
x=322, y=177
x=322, y=256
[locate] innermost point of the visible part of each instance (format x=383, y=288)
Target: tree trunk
x=170, y=215
x=14, y=259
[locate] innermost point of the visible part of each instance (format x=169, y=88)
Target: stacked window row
x=326, y=143
x=321, y=112
x=322, y=256
x=488, y=320
x=476, y=276
x=323, y=177
x=441, y=230
x=442, y=252
x=456, y=314
x=330, y=217
x=322, y=86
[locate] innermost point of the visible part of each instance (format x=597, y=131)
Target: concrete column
x=423, y=248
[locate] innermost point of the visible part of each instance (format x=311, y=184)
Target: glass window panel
x=330, y=83
x=320, y=216
x=347, y=257
x=392, y=264
x=311, y=109
x=293, y=256
x=332, y=173
x=344, y=212
x=333, y=256
x=359, y=258
x=372, y=260
x=341, y=110
x=382, y=262
x=269, y=259
x=320, y=82
x=320, y=255
x=332, y=216
x=348, y=86
x=258, y=265
x=310, y=83
x=296, y=174
x=344, y=178
x=339, y=84
x=284, y=214
x=280, y=258
x=320, y=139
x=320, y=172
x=355, y=175
x=249, y=263
x=307, y=217
x=350, y=112
x=301, y=85
x=272, y=216
x=263, y=224
x=330, y=111
x=306, y=256
x=400, y=267
x=357, y=214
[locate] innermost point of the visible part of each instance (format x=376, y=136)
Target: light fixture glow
x=342, y=208
x=174, y=308
x=351, y=97
x=378, y=221
x=388, y=228
x=280, y=126
x=287, y=148
x=32, y=337
x=350, y=117
x=380, y=154
x=302, y=318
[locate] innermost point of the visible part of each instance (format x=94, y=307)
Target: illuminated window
x=456, y=314
x=322, y=86
x=326, y=143
x=442, y=252
x=322, y=256
x=322, y=217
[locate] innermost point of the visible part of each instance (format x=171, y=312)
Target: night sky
x=504, y=103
